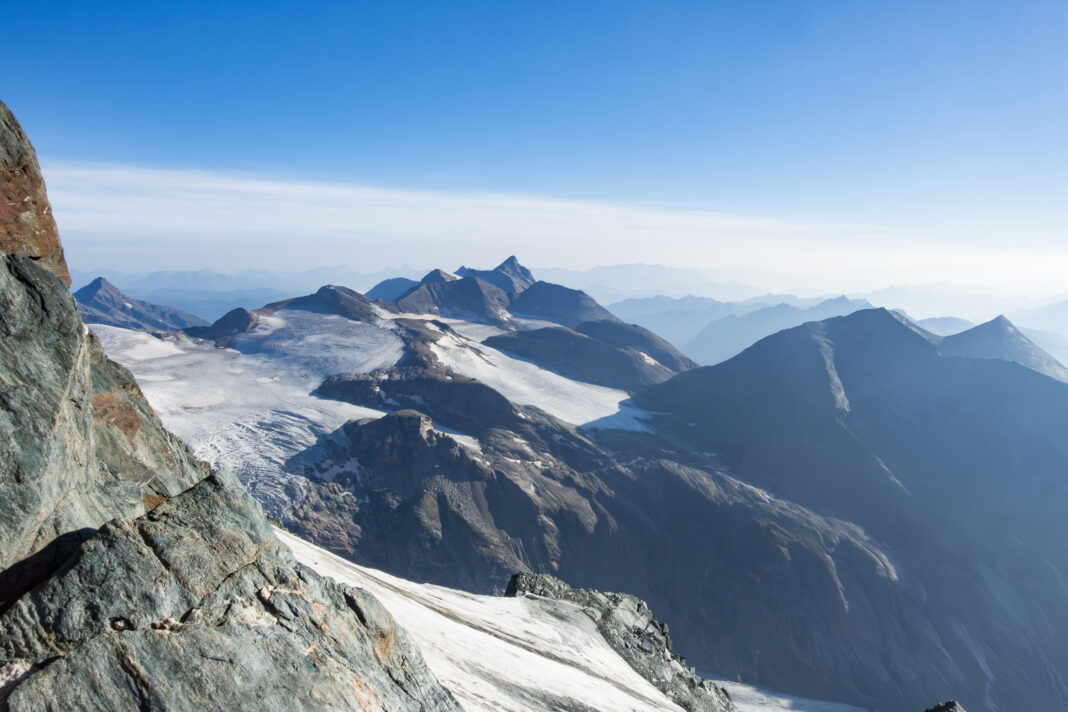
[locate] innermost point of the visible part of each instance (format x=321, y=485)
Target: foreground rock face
x=197, y=606
x=634, y=632
x=79, y=445
x=951, y=706
x=26, y=223
x=130, y=576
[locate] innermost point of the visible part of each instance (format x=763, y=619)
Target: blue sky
x=928, y=126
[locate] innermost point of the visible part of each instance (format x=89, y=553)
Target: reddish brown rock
x=26, y=223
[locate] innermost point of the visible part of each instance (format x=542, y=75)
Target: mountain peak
x=98, y=286
x=438, y=275
x=999, y=339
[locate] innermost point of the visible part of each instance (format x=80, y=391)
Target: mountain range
x=459, y=439
x=852, y=509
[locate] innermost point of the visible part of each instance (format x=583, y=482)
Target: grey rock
x=951, y=706
x=509, y=276
x=634, y=632
x=79, y=445
x=130, y=576
x=197, y=606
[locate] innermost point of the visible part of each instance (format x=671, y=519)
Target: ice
x=501, y=654
x=526, y=383
x=247, y=412
x=524, y=654
x=753, y=699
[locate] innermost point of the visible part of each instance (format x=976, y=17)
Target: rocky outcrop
x=634, y=632
x=509, y=276
x=951, y=706
x=26, y=223
x=197, y=606
x=79, y=445
x=468, y=298
x=101, y=302
x=234, y=322
x=133, y=578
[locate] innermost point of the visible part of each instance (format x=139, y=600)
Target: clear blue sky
x=933, y=118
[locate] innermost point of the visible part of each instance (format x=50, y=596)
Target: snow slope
x=519, y=654
x=246, y=413
x=526, y=383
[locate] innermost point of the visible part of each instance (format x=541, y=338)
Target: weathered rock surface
x=197, y=606
x=634, y=632
x=101, y=302
x=131, y=577
x=951, y=706
x=26, y=223
x=79, y=445
x=509, y=276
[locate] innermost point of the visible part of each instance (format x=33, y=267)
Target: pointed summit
x=1000, y=339
x=101, y=302
x=438, y=276
x=509, y=275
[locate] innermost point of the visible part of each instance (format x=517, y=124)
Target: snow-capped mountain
x=413, y=444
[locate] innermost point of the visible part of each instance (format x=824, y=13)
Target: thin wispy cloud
x=130, y=217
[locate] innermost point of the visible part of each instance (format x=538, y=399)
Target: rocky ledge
x=634, y=632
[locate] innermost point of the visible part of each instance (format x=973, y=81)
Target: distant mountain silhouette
x=1000, y=339
x=100, y=302
x=725, y=337
x=560, y=305
x=391, y=289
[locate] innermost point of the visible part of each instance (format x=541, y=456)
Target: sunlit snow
x=522, y=654
x=527, y=383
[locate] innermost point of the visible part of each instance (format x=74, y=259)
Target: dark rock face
x=197, y=606
x=509, y=276
x=469, y=298
x=100, y=302
x=951, y=706
x=726, y=563
x=78, y=443
x=635, y=633
x=234, y=322
x=26, y=223
x=560, y=305
x=582, y=358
